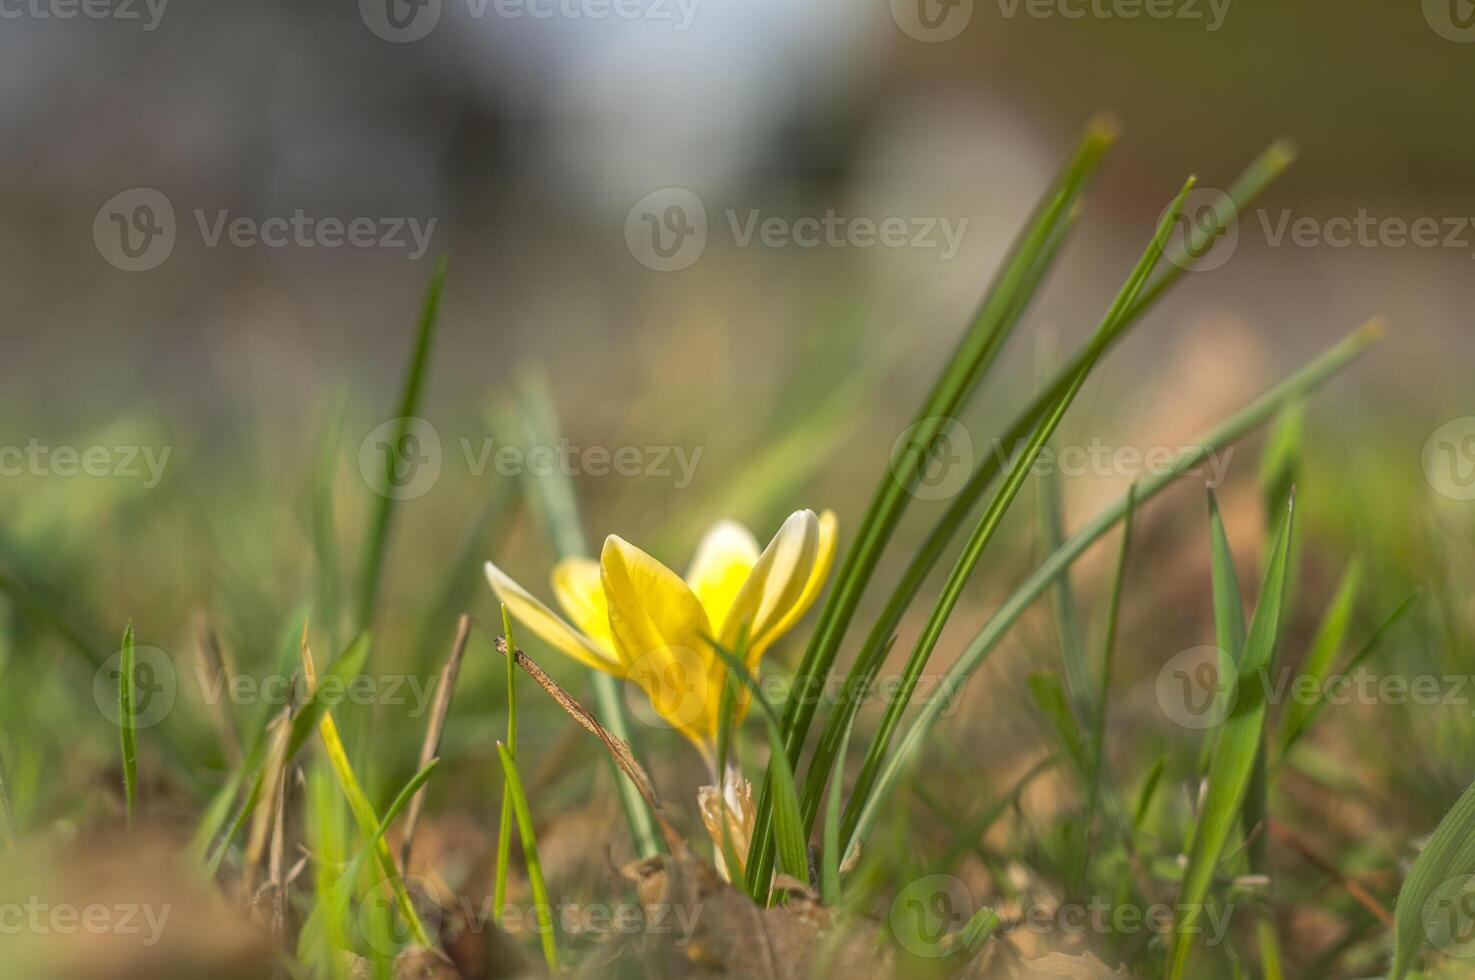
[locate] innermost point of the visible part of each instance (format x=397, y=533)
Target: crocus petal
x=659, y=629
x=824, y=558
x=723, y=561
x=777, y=582
x=547, y=624
x=580, y=591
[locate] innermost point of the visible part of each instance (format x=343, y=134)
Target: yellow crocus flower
x=636, y=619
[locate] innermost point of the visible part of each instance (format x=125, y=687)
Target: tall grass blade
x=409, y=403
x=127, y=723
x=504, y=825
x=1242, y=192
x=1230, y=430
x=1325, y=646
x=993, y=516
x=1240, y=742
x=541, y=908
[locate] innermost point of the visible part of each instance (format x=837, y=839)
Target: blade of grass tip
x=830, y=857
x=790, y=838
x=1434, y=900
x=1054, y=704
x=1240, y=741
x=1319, y=704
x=1242, y=192
x=1322, y=655
x=541, y=907
x=1229, y=618
x=359, y=805
x=127, y=723
x=409, y=403
x=554, y=496
x=1003, y=303
x=988, y=524
x=445, y=690
x=1229, y=431
x=1148, y=792
x=504, y=825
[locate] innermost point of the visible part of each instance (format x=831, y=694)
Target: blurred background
x=217, y=223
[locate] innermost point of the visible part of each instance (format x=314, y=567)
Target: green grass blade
x=992, y=517
x=324, y=529
x=1325, y=646
x=974, y=830
x=1240, y=742
x=554, y=497
x=7, y=821
x=541, y=907
x=409, y=403
x=1435, y=896
x=831, y=857
x=1316, y=707
x=1064, y=610
x=1148, y=792
x=1269, y=165
x=128, y=730
x=1230, y=430
x=972, y=357
x=1054, y=703
x=504, y=826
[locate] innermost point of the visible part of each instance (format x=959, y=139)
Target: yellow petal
x=580, y=591
x=776, y=583
x=547, y=625
x=824, y=558
x=659, y=628
x=724, y=559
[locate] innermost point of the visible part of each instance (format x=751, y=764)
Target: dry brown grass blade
x=212, y=658
x=444, y=691
x=617, y=747
x=273, y=786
